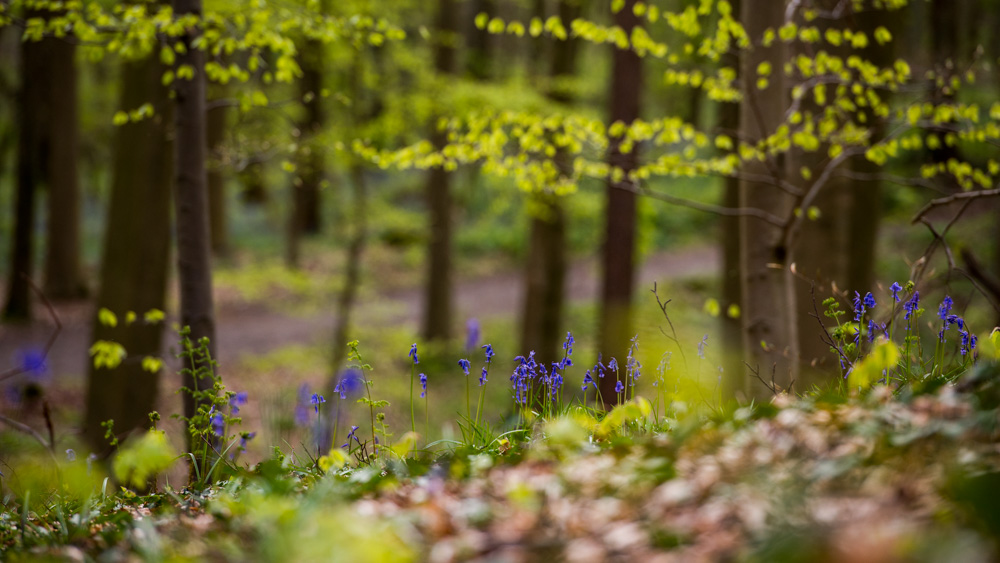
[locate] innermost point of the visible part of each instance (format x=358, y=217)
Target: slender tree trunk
x=136, y=257
x=215, y=139
x=768, y=299
x=944, y=49
x=63, y=276
x=314, y=169
x=479, y=62
x=191, y=199
x=32, y=158
x=545, y=276
x=438, y=300
x=733, y=378
x=618, y=258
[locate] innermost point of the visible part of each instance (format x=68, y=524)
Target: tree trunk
x=438, y=301
x=822, y=249
x=215, y=139
x=191, y=200
x=618, y=259
x=32, y=159
x=63, y=276
x=313, y=168
x=944, y=49
x=545, y=276
x=135, y=258
x=768, y=299
x=479, y=43
x=733, y=378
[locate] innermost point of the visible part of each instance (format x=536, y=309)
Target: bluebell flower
x=568, y=345
x=316, y=400
x=237, y=401
x=218, y=424
x=413, y=353
x=423, y=385
x=351, y=383
x=464, y=364
x=71, y=455
x=33, y=363
x=244, y=438
x=557, y=383
x=482, y=377
x=351, y=436
x=912, y=305
x=945, y=308
x=619, y=387
x=701, y=347
x=471, y=334
x=613, y=365
x=587, y=380
x=489, y=352
x=869, y=301
x=895, y=288
x=965, y=342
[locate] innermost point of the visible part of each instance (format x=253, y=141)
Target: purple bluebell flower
x=556, y=385
x=489, y=352
x=423, y=386
x=33, y=363
x=71, y=455
x=945, y=308
x=911, y=306
x=471, y=334
x=701, y=347
x=244, y=438
x=895, y=288
x=587, y=380
x=869, y=301
x=218, y=424
x=413, y=353
x=482, y=377
x=351, y=383
x=619, y=387
x=316, y=400
x=237, y=401
x=568, y=345
x=464, y=364
x=613, y=365
x=351, y=436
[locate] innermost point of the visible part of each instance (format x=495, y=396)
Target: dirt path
x=254, y=329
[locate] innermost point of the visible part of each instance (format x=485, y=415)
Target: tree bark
x=479, y=43
x=63, y=276
x=31, y=161
x=191, y=200
x=215, y=139
x=136, y=257
x=618, y=258
x=768, y=298
x=438, y=300
x=545, y=276
x=733, y=378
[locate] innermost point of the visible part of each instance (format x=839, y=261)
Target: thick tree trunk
x=215, y=139
x=135, y=259
x=769, y=334
x=438, y=301
x=618, y=258
x=191, y=200
x=63, y=276
x=945, y=57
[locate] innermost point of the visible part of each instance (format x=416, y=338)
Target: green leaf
x=151, y=364
x=153, y=316
x=107, y=318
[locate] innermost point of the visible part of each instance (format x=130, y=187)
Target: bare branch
x=706, y=207
x=952, y=199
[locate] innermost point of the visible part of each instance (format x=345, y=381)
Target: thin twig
x=967, y=196
x=52, y=338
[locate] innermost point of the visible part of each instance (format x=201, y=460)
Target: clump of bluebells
x=847, y=342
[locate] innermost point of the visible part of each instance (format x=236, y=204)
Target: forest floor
x=248, y=328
